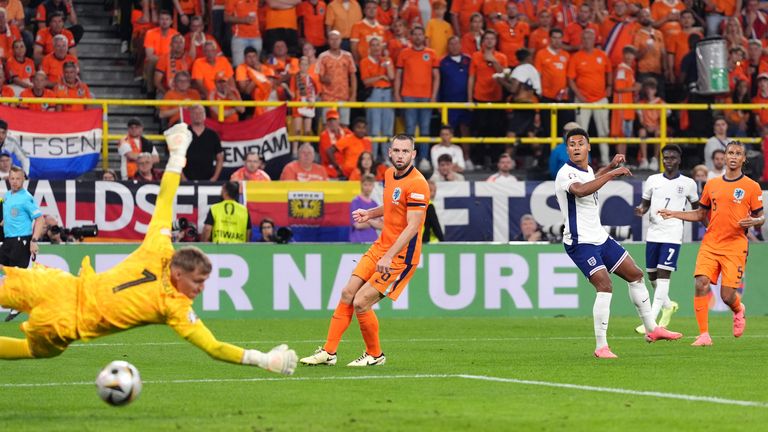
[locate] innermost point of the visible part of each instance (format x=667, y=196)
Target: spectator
x=157, y=43
x=454, y=79
x=205, y=156
x=109, y=175
x=761, y=97
x=462, y=11
x=195, y=40
x=206, y=69
x=649, y=125
x=282, y=24
x=432, y=229
x=227, y=221
x=589, y=77
x=511, y=33
x=677, y=44
x=363, y=31
x=8, y=34
x=53, y=63
x=336, y=69
x=168, y=65
x=540, y=38
x=756, y=63
x=332, y=133
x=311, y=16
x=398, y=40
x=181, y=90
x=378, y=73
x=530, y=230
x=253, y=78
x=281, y=63
x=666, y=16
x=386, y=14
x=564, y=13
x=146, y=172
x=438, y=29
x=505, y=165
x=22, y=226
x=700, y=174
x=651, y=53
x=559, y=155
x=244, y=17
x=305, y=87
x=267, y=230
x=224, y=91
x=5, y=164
x=340, y=17
x=484, y=88
x=624, y=89
x=14, y=12
x=183, y=10
x=131, y=146
x=49, y=7
x=717, y=11
x=445, y=172
x=350, y=147
x=552, y=64
x=733, y=34
x=617, y=30
x=20, y=68
x=470, y=40
x=445, y=146
x=739, y=121
x=72, y=87
x=718, y=164
x=251, y=171
x=44, y=39
x=718, y=141
x=524, y=86
x=304, y=168
x=572, y=32
x=417, y=80
x=410, y=12
x=366, y=166
x=754, y=20
x=365, y=232
x=6, y=90
x=38, y=91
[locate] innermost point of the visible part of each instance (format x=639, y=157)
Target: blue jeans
x=381, y=121
x=422, y=117
x=239, y=45
x=713, y=23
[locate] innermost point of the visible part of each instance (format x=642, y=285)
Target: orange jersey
x=403, y=194
x=242, y=9
x=45, y=39
x=28, y=93
x=363, y=32
x=7, y=38
x=470, y=43
x=464, y=10
x=588, y=70
x=312, y=21
x=512, y=38
x=417, y=66
x=623, y=80
x=159, y=44
x=725, y=7
x=54, y=68
x=231, y=95
x=650, y=118
x=23, y=70
x=190, y=94
x=350, y=148
x=281, y=18
x=206, y=72
x=728, y=202
x=78, y=91
x=572, y=34
x=651, y=43
x=553, y=68
x=370, y=68
x=486, y=88
x=169, y=67
x=661, y=9
x=493, y=7
x=538, y=39
x=395, y=45
x=616, y=35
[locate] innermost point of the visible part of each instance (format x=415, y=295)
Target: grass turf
x=418, y=388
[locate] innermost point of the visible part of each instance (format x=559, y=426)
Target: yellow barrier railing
x=553, y=139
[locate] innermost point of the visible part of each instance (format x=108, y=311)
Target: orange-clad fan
x=53, y=63
x=552, y=64
x=196, y=38
x=71, y=87
x=350, y=147
x=38, y=90
x=365, y=30
x=157, y=42
x=332, y=133
x=8, y=34
x=399, y=40
x=386, y=13
x=512, y=33
x=253, y=78
x=281, y=24
x=44, y=39
x=311, y=15
x=470, y=40
x=342, y=15
x=19, y=68
x=181, y=91
x=617, y=30
x=624, y=89
x=171, y=64
x=572, y=32
x=539, y=38
x=438, y=29
x=461, y=12
x=223, y=91
x=244, y=15
x=485, y=64
x=204, y=69
x=304, y=168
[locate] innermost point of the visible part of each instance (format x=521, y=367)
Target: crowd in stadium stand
x=524, y=51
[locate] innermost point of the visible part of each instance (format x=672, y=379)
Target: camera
x=619, y=232
x=554, y=232
x=75, y=234
x=283, y=235
x=180, y=224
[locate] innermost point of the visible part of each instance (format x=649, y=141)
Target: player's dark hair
x=446, y=127
x=404, y=137
x=576, y=132
x=190, y=258
x=736, y=143
x=232, y=189
x=673, y=147
x=554, y=30
x=359, y=120
x=716, y=151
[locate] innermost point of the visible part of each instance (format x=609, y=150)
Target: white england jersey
x=672, y=194
x=581, y=216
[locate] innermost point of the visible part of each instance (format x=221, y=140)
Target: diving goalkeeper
x=153, y=285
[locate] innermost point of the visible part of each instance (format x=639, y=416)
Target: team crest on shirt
x=571, y=175
x=396, y=195
x=738, y=194
x=680, y=190
x=28, y=69
x=425, y=57
x=592, y=261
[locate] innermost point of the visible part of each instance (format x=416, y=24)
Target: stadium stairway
x=108, y=72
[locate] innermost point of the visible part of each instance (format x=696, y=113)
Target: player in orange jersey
x=735, y=204
x=154, y=285
x=384, y=271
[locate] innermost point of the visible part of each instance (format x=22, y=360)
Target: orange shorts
x=712, y=265
x=389, y=284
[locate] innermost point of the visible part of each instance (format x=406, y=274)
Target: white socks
x=660, y=296
x=601, y=312
x=638, y=293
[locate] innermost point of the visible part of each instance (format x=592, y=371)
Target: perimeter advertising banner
x=303, y=281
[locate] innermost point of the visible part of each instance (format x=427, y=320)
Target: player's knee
x=702, y=285
x=361, y=306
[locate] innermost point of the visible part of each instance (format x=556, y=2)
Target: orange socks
x=736, y=306
x=342, y=316
x=701, y=307
x=369, y=327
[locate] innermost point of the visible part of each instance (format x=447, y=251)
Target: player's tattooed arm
x=698, y=215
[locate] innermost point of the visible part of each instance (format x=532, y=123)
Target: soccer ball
x=119, y=383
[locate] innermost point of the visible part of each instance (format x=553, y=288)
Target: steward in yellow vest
x=228, y=221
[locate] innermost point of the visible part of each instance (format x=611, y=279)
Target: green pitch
x=441, y=374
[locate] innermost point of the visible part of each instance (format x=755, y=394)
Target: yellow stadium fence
x=553, y=139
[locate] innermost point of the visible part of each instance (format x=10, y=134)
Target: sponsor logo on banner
x=305, y=205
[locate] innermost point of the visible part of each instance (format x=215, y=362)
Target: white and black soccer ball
x=118, y=383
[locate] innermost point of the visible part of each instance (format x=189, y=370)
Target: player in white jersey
x=591, y=248
x=673, y=191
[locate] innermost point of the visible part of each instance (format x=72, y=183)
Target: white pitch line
x=689, y=398
x=413, y=340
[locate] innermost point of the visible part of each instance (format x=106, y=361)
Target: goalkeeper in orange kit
x=153, y=285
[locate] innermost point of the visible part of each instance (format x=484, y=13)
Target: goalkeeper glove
x=178, y=139
x=280, y=359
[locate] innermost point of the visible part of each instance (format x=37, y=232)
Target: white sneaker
x=643, y=164
x=320, y=357
x=368, y=360
x=653, y=165
x=424, y=165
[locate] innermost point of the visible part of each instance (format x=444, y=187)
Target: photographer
x=228, y=221
x=269, y=234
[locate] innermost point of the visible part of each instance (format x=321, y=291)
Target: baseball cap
x=5, y=153
x=134, y=121
x=221, y=76
x=571, y=126
x=331, y=114
x=763, y=75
